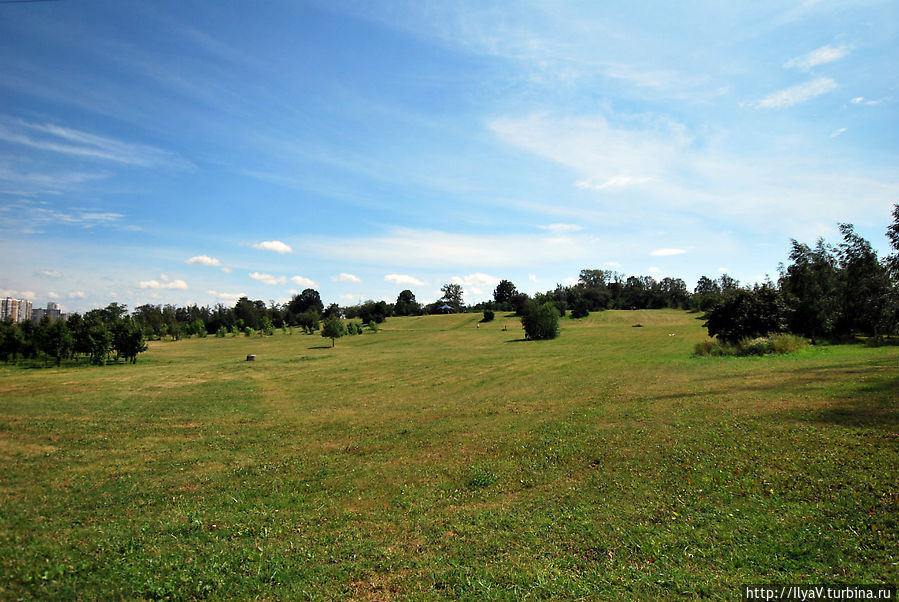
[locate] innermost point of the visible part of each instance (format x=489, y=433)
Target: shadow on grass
x=517, y=341
x=321, y=347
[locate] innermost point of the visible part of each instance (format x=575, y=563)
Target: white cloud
x=227, y=296
x=273, y=245
x=570, y=281
x=722, y=270
x=226, y=270
x=303, y=282
x=476, y=281
x=613, y=264
x=267, y=278
x=836, y=133
x=655, y=271
x=344, y=277
x=404, y=280
x=532, y=277
x=612, y=183
x=77, y=295
x=26, y=295
x=204, y=260
x=825, y=54
x=857, y=99
x=348, y=297
x=53, y=295
x=797, y=94
x=667, y=252
x=155, y=284
x=561, y=228
x=50, y=274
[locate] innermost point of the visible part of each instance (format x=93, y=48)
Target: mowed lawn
x=437, y=460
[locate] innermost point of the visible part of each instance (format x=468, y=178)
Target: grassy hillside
x=439, y=460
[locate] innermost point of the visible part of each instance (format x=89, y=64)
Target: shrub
x=581, y=309
x=541, y=323
x=221, y=332
x=787, y=343
x=776, y=344
x=372, y=325
x=488, y=316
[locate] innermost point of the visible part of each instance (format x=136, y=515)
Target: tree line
x=825, y=291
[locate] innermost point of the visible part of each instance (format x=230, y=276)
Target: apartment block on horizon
x=18, y=310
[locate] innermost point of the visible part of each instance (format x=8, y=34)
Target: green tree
x=57, y=341
x=333, y=328
x=503, y=292
x=867, y=303
x=810, y=285
x=406, y=305
x=10, y=340
x=128, y=340
x=745, y=313
x=452, y=295
x=541, y=322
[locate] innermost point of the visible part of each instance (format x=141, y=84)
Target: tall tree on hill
x=452, y=295
x=406, y=305
x=503, y=292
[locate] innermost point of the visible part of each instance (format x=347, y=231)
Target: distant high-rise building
x=38, y=313
x=18, y=310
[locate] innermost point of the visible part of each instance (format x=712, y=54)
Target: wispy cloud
x=836, y=133
x=344, y=277
x=561, y=228
x=78, y=143
x=273, y=245
x=797, y=94
x=667, y=252
x=821, y=56
x=268, y=278
x=204, y=260
x=404, y=280
x=612, y=183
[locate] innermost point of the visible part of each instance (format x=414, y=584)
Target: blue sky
x=192, y=152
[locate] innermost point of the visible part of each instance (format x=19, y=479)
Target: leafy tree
x=811, y=290
x=745, y=313
x=333, y=328
x=503, y=292
x=488, y=315
x=266, y=326
x=452, y=295
x=332, y=310
x=406, y=305
x=893, y=236
x=541, y=322
x=581, y=309
x=370, y=311
x=247, y=313
x=128, y=339
x=11, y=340
x=867, y=305
x=56, y=340
x=307, y=301
x=520, y=303
x=99, y=342
x=309, y=321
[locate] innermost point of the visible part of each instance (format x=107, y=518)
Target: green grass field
x=439, y=460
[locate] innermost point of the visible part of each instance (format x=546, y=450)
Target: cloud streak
x=797, y=94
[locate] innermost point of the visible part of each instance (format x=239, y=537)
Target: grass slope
x=439, y=460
